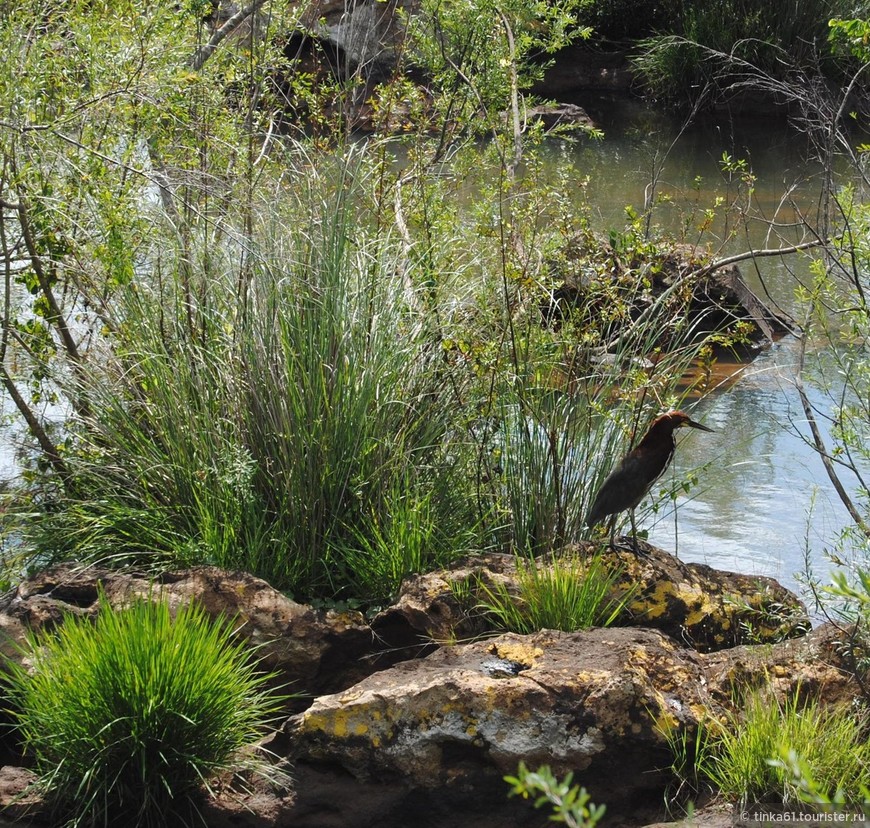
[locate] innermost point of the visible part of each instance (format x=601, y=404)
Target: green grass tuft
x=740, y=759
x=127, y=718
x=570, y=594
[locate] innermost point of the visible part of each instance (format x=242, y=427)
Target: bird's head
x=678, y=419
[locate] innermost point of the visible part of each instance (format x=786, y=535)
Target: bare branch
x=205, y=52
x=752, y=254
x=36, y=428
x=821, y=448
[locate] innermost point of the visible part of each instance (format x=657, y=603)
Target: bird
x=635, y=474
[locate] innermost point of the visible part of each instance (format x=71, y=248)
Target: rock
x=428, y=741
x=701, y=607
x=439, y=606
x=16, y=801
x=715, y=815
x=315, y=651
x=815, y=665
x=560, y=114
x=709, y=299
x=592, y=702
x=705, y=608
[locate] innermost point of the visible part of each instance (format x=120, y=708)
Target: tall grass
x=126, y=719
x=569, y=416
x=566, y=594
x=303, y=428
x=740, y=757
x=302, y=410
x=692, y=56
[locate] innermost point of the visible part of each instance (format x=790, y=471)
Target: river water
x=763, y=504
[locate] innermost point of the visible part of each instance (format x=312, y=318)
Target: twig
x=821, y=448
x=205, y=52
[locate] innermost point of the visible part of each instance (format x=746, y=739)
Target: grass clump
x=740, y=759
x=127, y=718
x=569, y=594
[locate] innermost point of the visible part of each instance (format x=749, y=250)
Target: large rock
x=593, y=702
x=428, y=741
x=816, y=665
x=702, y=607
x=705, y=608
x=314, y=651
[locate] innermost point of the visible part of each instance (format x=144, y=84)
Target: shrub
x=128, y=717
x=286, y=431
x=571, y=804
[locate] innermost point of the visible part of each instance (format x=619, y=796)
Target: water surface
x=763, y=504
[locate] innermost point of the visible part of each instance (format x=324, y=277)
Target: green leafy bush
x=127, y=718
x=570, y=804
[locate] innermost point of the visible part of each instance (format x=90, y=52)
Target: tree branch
x=205, y=52
x=49, y=449
x=821, y=448
x=718, y=264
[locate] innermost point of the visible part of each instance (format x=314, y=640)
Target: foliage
x=477, y=53
x=715, y=45
x=568, y=593
x=690, y=754
x=622, y=20
x=571, y=805
x=126, y=718
x=851, y=36
x=322, y=360
x=837, y=312
x=300, y=432
x=831, y=741
x=809, y=790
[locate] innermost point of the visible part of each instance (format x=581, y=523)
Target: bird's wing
x=627, y=485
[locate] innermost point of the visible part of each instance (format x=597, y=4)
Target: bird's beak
x=693, y=424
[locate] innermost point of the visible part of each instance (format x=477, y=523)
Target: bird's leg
x=613, y=533
x=633, y=532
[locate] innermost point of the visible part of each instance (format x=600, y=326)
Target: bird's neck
x=660, y=436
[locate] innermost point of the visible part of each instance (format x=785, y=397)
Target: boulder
x=705, y=608
x=560, y=115
x=711, y=298
x=311, y=649
x=816, y=665
x=701, y=607
x=18, y=800
x=428, y=740
x=594, y=702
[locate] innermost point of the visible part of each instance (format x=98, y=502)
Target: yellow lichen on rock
x=520, y=652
